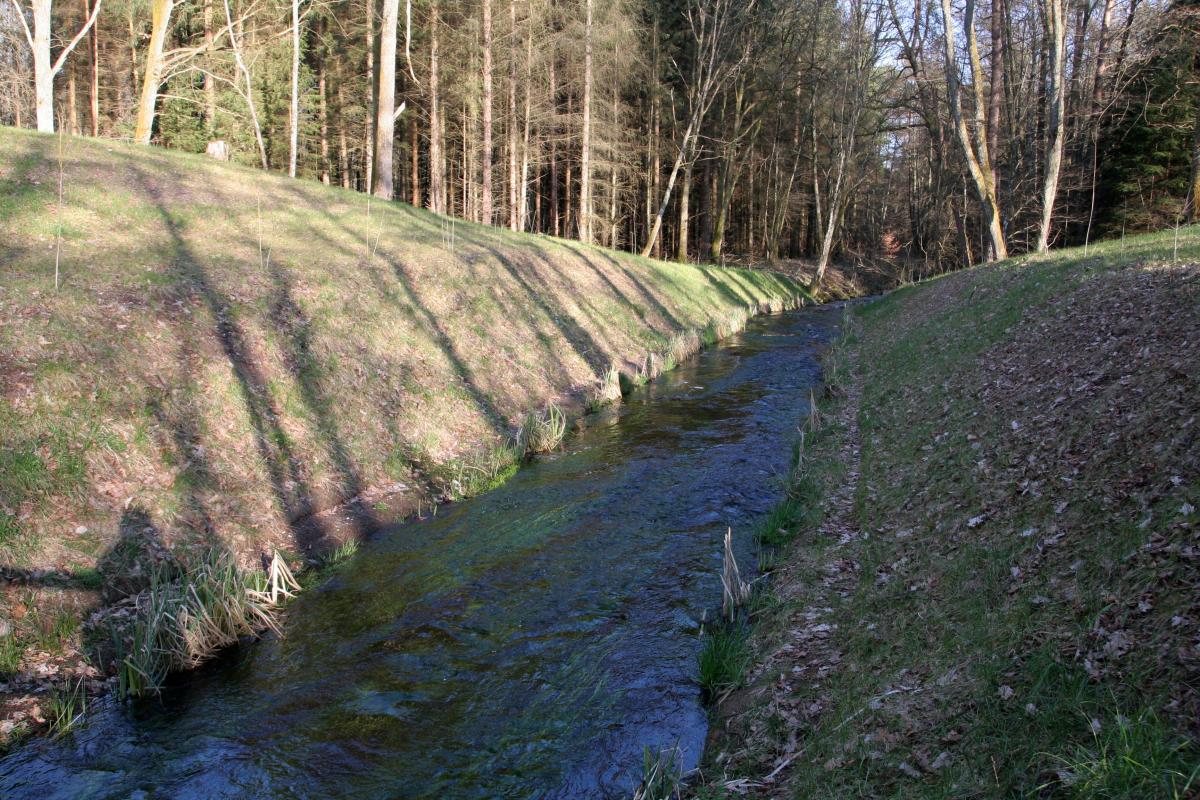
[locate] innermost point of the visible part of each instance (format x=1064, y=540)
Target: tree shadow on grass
x=287, y=475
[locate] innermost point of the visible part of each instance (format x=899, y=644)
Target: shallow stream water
x=527, y=643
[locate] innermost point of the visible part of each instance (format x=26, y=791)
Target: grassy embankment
x=230, y=353
x=986, y=575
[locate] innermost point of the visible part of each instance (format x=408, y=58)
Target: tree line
x=904, y=133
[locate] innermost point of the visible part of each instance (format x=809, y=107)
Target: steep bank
x=230, y=353
x=990, y=584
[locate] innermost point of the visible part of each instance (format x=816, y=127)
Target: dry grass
x=543, y=430
x=178, y=624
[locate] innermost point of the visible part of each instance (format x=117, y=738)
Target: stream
x=527, y=643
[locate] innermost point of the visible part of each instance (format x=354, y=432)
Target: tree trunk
x=415, y=162
x=371, y=50
x=94, y=73
x=685, y=150
x=160, y=21
x=1193, y=198
x=43, y=70
x=235, y=39
x=485, y=207
x=523, y=216
x=685, y=190
x=437, y=166
x=294, y=109
x=1056, y=22
x=385, y=103
x=585, y=154
x=997, y=82
x=975, y=149
x=323, y=98
x=43, y=77
x=343, y=145
x=72, y=105
x=831, y=214
x=513, y=211
x=555, y=227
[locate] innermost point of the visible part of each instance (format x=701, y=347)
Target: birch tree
x=386, y=112
x=715, y=27
x=39, y=44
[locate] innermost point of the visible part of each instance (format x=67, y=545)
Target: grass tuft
x=180, y=624
x=1129, y=759
x=724, y=660
x=608, y=390
x=542, y=432
x=662, y=775
x=339, y=555
x=66, y=707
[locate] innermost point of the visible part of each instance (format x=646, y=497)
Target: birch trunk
x=437, y=166
x=294, y=109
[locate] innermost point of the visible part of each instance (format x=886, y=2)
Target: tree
x=160, y=16
x=386, y=112
x=39, y=45
x=585, y=157
x=716, y=27
x=973, y=142
x=294, y=108
x=1055, y=11
x=485, y=207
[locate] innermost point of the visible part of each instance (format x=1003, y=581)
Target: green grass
x=66, y=707
x=177, y=366
x=974, y=613
x=724, y=659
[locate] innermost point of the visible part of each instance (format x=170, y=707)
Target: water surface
x=527, y=643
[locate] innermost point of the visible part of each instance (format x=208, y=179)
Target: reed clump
x=662, y=775
x=543, y=431
x=180, y=623
x=682, y=346
x=608, y=389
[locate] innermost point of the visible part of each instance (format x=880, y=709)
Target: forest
x=897, y=134
x=391, y=389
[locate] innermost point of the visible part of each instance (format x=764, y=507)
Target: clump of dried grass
x=683, y=346
x=543, y=431
x=180, y=623
x=734, y=591
x=608, y=389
